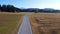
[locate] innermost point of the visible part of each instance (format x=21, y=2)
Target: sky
x=55, y=4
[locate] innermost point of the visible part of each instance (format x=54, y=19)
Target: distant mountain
x=48, y=9
x=33, y=8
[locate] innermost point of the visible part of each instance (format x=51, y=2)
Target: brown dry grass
x=45, y=23
x=9, y=23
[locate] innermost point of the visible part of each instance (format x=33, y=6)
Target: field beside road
x=45, y=23
x=10, y=22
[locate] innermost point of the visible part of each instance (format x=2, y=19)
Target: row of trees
x=8, y=8
x=11, y=8
x=41, y=10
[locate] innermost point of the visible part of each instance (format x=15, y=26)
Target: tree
x=0, y=7
x=9, y=8
x=3, y=8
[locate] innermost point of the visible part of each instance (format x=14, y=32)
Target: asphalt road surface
x=25, y=27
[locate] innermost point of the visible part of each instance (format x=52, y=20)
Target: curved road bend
x=25, y=27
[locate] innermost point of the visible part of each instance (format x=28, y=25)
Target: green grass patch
x=8, y=23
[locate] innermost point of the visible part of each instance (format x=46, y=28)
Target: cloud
x=54, y=6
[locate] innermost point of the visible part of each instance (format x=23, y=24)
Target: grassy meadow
x=45, y=23
x=9, y=22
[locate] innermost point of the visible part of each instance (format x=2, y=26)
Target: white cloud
x=55, y=6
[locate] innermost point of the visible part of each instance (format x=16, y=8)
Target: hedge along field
x=9, y=23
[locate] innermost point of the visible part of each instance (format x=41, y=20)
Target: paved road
x=25, y=27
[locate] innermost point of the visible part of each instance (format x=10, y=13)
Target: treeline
x=9, y=8
x=36, y=10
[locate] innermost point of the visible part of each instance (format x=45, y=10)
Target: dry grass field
x=9, y=23
x=45, y=23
